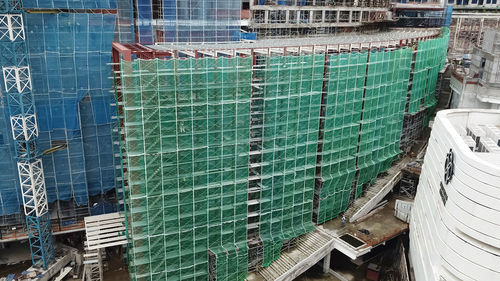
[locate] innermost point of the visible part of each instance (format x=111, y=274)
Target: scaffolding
x=68, y=46
x=17, y=86
x=188, y=21
x=231, y=153
x=343, y=105
x=74, y=107
x=315, y=18
x=383, y=113
x=430, y=59
x=415, y=17
x=467, y=30
x=56, y=4
x=292, y=88
x=186, y=139
x=363, y=120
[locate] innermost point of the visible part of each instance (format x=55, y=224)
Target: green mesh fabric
x=346, y=79
x=186, y=141
x=383, y=113
x=292, y=101
x=431, y=57
x=186, y=126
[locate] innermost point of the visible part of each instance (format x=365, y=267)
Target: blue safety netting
x=10, y=200
x=283, y=2
x=70, y=4
x=10, y=6
x=188, y=20
x=145, y=21
x=68, y=55
x=449, y=12
x=11, y=54
x=125, y=22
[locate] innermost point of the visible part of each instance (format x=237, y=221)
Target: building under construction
x=470, y=20
x=247, y=146
x=217, y=153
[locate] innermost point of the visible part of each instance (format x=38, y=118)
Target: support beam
x=326, y=263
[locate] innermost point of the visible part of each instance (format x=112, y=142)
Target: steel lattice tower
x=17, y=88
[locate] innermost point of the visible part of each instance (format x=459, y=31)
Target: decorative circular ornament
x=449, y=166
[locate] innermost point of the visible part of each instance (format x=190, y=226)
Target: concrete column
x=457, y=29
x=338, y=16
x=480, y=32
x=323, y=16
x=287, y=16
x=266, y=16
x=326, y=263
x=350, y=16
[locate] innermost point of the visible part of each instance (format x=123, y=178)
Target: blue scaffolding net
x=17, y=91
x=10, y=198
x=69, y=4
x=69, y=54
x=188, y=20
x=12, y=53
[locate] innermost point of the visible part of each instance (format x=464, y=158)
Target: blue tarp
x=10, y=199
x=449, y=12
x=11, y=54
x=248, y=35
x=69, y=54
x=189, y=21
x=70, y=4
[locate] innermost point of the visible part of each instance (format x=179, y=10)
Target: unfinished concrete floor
x=382, y=225
x=15, y=252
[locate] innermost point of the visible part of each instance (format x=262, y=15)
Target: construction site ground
x=382, y=226
x=380, y=223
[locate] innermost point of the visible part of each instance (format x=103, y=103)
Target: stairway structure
x=101, y=232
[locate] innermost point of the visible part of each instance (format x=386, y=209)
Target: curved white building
x=455, y=222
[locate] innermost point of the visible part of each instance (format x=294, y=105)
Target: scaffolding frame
x=467, y=30
x=24, y=126
x=313, y=18
x=139, y=70
x=101, y=232
x=187, y=21
x=33, y=187
x=12, y=27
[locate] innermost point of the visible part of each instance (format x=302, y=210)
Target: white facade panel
x=454, y=226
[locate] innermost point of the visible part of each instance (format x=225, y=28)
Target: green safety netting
x=186, y=125
x=431, y=57
x=383, y=113
x=343, y=105
x=292, y=100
